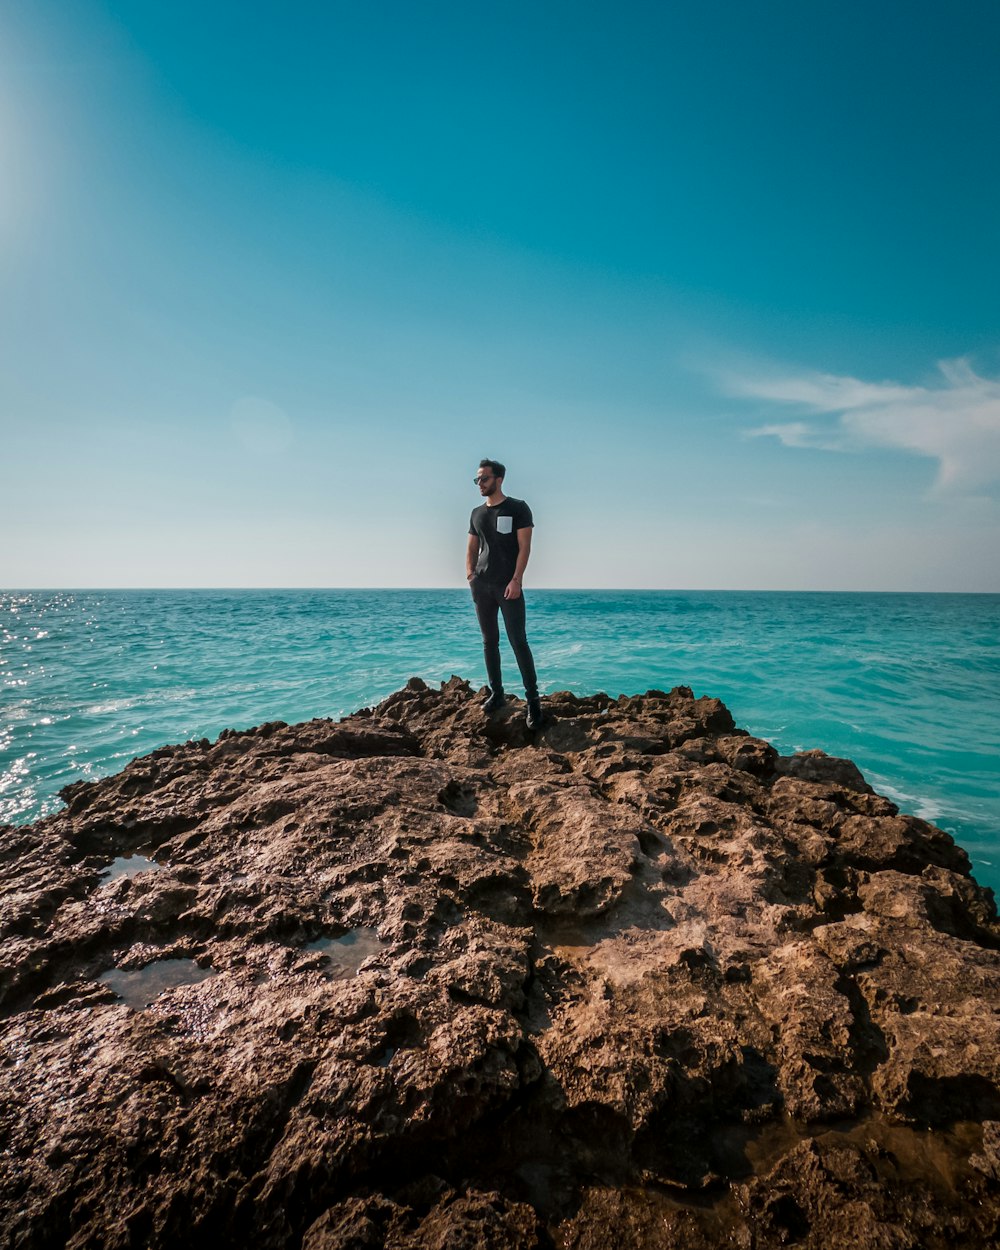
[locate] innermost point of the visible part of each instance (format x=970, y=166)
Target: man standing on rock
x=495, y=560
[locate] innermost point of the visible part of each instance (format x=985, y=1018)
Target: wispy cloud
x=956, y=422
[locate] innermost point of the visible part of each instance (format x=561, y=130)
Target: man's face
x=486, y=481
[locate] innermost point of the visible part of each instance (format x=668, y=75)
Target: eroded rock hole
x=459, y=799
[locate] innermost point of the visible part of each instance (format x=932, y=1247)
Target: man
x=495, y=560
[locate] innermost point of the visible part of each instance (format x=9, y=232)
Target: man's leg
x=513, y=619
x=487, y=606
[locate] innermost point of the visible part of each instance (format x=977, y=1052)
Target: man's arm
x=471, y=555
x=513, y=590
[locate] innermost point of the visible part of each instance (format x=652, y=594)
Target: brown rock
x=420, y=979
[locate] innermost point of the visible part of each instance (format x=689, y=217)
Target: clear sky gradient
x=720, y=282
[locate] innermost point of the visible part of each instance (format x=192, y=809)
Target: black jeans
x=489, y=601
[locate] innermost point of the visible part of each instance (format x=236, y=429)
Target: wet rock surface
x=419, y=979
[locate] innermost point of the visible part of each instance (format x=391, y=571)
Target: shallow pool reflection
x=139, y=987
x=129, y=866
x=346, y=954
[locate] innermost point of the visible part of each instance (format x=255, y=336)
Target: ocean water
x=906, y=685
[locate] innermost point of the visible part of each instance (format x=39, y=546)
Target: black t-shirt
x=496, y=528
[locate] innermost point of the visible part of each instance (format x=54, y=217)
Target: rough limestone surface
x=421, y=979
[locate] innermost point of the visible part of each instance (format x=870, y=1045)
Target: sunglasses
x=485, y=477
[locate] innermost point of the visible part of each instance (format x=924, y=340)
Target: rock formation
x=418, y=979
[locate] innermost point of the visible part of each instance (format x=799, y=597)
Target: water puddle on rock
x=939, y=1158
x=128, y=866
x=343, y=956
x=139, y=987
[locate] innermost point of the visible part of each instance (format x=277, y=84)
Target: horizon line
x=629, y=590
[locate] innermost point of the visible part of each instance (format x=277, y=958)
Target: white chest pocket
x=505, y=524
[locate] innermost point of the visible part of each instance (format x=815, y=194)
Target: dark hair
x=494, y=466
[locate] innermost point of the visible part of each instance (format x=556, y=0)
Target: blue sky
x=718, y=282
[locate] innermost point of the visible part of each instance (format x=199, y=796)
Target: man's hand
x=513, y=590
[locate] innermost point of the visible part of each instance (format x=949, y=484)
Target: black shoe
x=534, y=716
x=494, y=703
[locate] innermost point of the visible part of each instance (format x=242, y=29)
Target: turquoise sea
x=907, y=685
